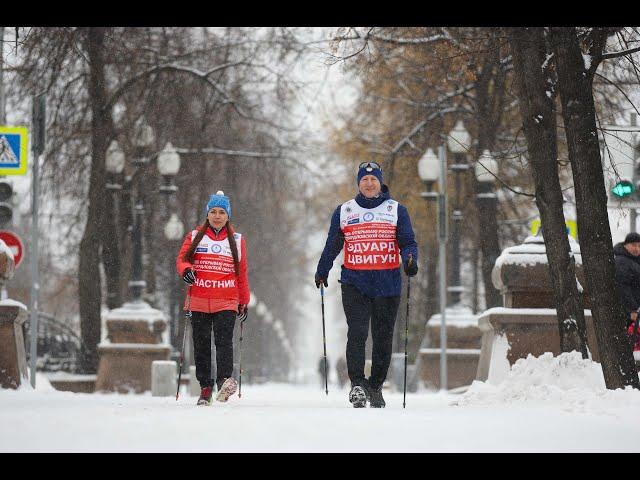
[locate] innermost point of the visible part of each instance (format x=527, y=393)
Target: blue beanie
x=219, y=200
x=376, y=172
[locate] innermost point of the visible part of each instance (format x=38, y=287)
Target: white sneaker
x=228, y=388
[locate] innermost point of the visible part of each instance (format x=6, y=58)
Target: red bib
x=213, y=262
x=370, y=236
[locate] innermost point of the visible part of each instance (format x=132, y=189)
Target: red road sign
x=14, y=243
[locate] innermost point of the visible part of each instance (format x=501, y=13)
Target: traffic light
x=6, y=208
x=623, y=189
x=620, y=163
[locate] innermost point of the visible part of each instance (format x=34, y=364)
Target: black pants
x=382, y=311
x=223, y=323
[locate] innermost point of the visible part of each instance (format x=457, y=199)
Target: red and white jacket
x=217, y=287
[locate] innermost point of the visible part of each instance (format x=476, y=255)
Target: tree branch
x=607, y=56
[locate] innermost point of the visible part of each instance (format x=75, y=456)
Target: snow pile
x=567, y=379
x=42, y=384
x=8, y=302
x=306, y=420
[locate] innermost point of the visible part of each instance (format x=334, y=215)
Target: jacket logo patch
x=201, y=249
x=367, y=217
x=353, y=220
x=215, y=248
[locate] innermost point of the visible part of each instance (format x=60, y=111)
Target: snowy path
x=286, y=418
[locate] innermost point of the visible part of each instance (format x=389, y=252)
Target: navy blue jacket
x=373, y=283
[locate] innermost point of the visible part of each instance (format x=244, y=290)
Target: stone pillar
x=13, y=315
x=463, y=348
x=521, y=274
x=134, y=341
x=527, y=324
x=13, y=356
x=164, y=378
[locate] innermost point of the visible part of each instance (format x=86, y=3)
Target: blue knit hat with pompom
x=219, y=200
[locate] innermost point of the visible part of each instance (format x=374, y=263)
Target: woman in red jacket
x=213, y=262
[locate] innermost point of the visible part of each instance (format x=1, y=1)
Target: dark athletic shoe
x=205, y=396
x=375, y=398
x=359, y=394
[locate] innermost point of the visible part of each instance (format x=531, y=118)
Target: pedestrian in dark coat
x=627, y=258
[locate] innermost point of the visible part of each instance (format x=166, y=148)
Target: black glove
x=189, y=276
x=320, y=281
x=410, y=267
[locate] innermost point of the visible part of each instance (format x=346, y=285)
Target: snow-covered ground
x=545, y=404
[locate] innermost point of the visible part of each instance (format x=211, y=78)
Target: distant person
x=375, y=231
x=213, y=262
x=341, y=371
x=627, y=258
x=321, y=370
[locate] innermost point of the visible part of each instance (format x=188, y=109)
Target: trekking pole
x=242, y=317
x=324, y=343
x=406, y=337
x=636, y=332
x=187, y=316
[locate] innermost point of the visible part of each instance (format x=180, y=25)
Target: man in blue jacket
x=375, y=232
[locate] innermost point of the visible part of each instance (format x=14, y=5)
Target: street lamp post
x=143, y=144
x=485, y=169
x=136, y=331
x=168, y=162
x=428, y=172
x=168, y=166
x=458, y=142
x=173, y=232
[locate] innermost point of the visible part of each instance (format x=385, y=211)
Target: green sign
x=623, y=189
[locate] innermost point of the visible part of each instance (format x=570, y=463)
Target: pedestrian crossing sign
x=13, y=150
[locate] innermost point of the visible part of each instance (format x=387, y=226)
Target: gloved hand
x=320, y=281
x=410, y=267
x=243, y=311
x=189, y=276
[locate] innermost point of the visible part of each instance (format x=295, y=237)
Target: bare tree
x=575, y=79
x=536, y=93
x=225, y=84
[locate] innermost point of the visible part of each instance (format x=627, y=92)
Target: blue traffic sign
x=13, y=150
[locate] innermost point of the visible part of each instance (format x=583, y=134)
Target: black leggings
x=223, y=323
x=359, y=309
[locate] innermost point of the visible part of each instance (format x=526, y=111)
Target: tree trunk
x=89, y=272
x=489, y=102
x=538, y=116
x=578, y=113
